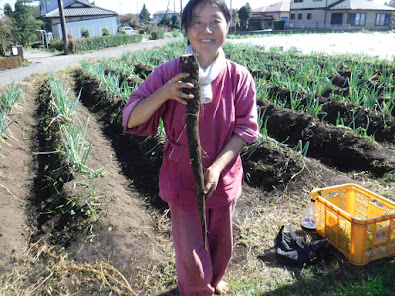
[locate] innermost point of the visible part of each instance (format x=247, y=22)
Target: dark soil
x=133, y=235
x=335, y=146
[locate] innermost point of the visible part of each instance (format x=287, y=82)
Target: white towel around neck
x=208, y=76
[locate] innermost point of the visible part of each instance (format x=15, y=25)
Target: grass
x=333, y=278
x=8, y=99
x=55, y=272
x=295, y=71
x=74, y=148
x=314, y=280
x=255, y=231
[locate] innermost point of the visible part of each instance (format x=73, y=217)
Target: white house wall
x=95, y=27
x=317, y=20
x=311, y=4
x=370, y=21
x=321, y=19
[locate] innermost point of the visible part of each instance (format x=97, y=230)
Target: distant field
x=377, y=44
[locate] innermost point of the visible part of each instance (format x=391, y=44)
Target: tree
x=8, y=10
x=392, y=4
x=144, y=15
x=175, y=22
x=165, y=21
x=26, y=26
x=235, y=18
x=6, y=39
x=129, y=20
x=245, y=15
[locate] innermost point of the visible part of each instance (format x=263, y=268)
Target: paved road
x=43, y=62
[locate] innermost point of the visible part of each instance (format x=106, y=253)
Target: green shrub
x=148, y=28
x=158, y=34
x=85, y=32
x=121, y=30
x=176, y=33
x=99, y=42
x=278, y=25
x=106, y=31
x=56, y=44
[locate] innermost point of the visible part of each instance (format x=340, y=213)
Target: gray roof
x=80, y=9
x=164, y=12
x=275, y=7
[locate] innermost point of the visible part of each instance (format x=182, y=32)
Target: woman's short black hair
x=187, y=13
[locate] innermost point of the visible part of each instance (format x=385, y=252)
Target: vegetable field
x=80, y=198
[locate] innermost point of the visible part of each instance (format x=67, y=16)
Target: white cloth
x=208, y=76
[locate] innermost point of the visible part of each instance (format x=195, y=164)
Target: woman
x=228, y=119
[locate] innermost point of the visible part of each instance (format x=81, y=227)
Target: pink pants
x=199, y=271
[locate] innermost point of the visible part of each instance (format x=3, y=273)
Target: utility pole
x=180, y=8
x=63, y=25
x=231, y=14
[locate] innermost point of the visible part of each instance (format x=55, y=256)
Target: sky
x=135, y=6
x=158, y=5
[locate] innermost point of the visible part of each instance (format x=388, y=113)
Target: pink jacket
x=233, y=110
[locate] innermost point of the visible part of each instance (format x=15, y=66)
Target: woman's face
x=207, y=32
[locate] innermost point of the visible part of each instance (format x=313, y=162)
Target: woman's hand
x=211, y=177
x=212, y=174
x=172, y=90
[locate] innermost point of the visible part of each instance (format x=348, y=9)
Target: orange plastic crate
x=357, y=222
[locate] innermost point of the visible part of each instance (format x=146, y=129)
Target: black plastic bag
x=291, y=250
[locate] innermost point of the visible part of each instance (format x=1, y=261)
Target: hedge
x=158, y=34
x=9, y=63
x=99, y=42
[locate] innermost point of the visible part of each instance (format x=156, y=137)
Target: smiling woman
x=227, y=119
x=206, y=29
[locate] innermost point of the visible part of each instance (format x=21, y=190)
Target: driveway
x=43, y=62
x=377, y=44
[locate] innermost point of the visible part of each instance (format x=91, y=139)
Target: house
x=324, y=14
x=262, y=18
x=78, y=14
x=339, y=14
x=157, y=16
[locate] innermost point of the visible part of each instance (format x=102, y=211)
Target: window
x=292, y=16
x=309, y=16
x=336, y=19
x=357, y=19
x=383, y=19
x=298, y=1
x=300, y=16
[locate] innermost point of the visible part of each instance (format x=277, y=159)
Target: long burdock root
x=190, y=64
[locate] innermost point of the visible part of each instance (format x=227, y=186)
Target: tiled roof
x=80, y=9
x=164, y=12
